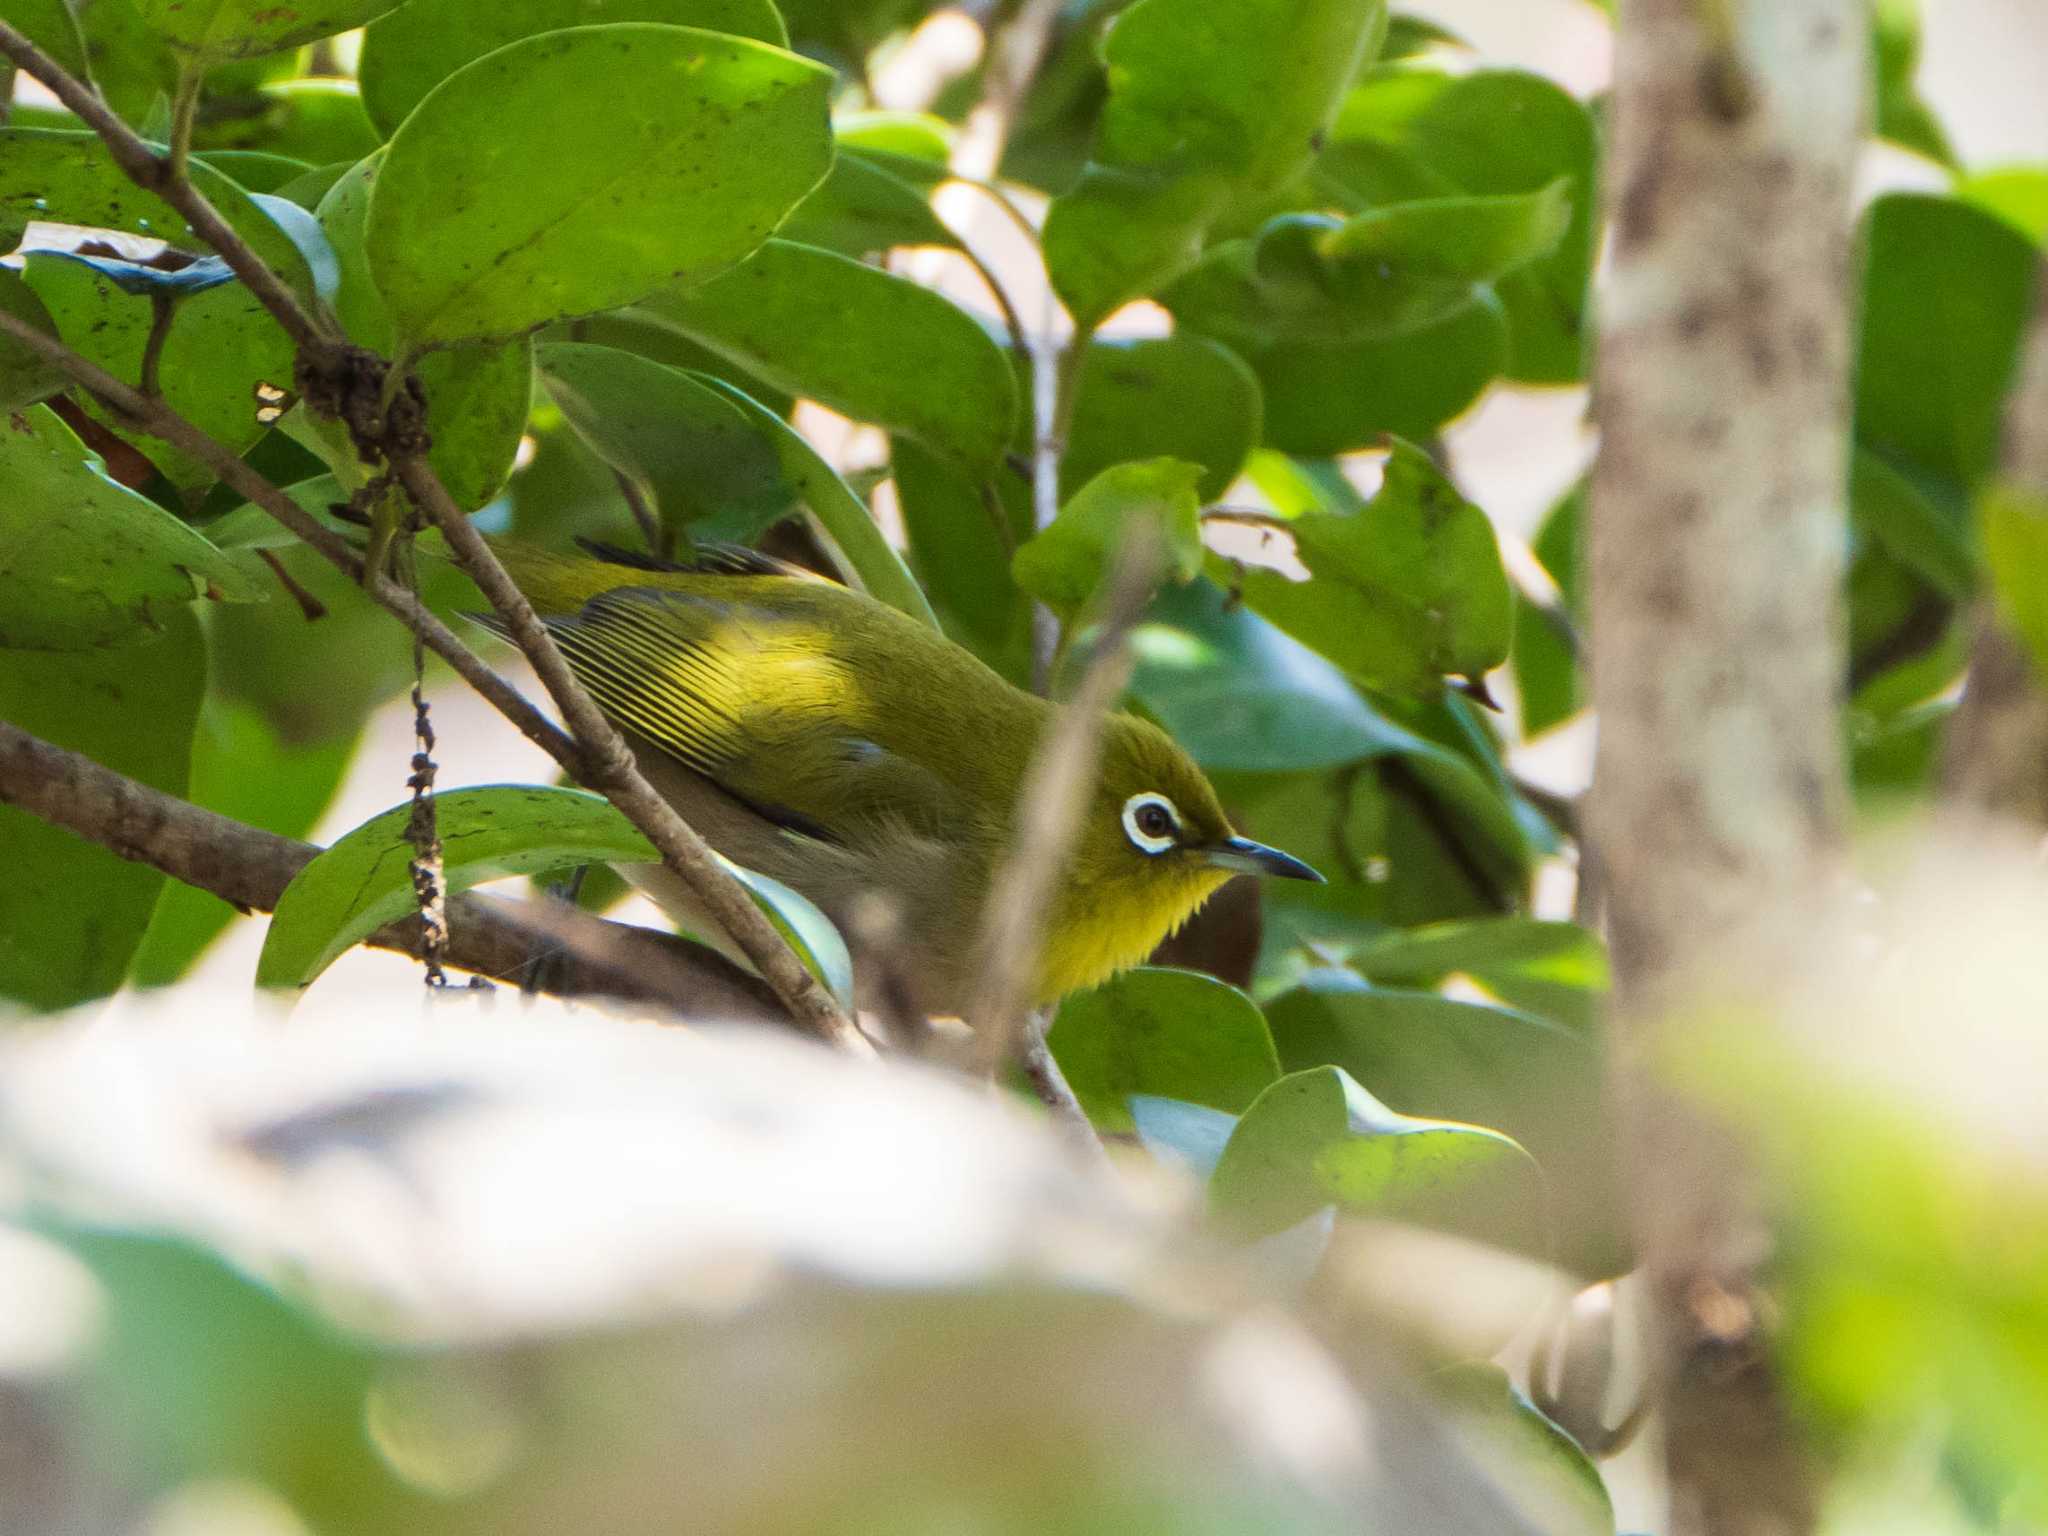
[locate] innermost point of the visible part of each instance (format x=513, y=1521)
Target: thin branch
x=184, y=106
x=249, y=868
x=156, y=173
x=157, y=419
x=1012, y=321
x=1049, y=814
x=608, y=766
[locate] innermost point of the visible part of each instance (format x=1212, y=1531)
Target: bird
x=822, y=738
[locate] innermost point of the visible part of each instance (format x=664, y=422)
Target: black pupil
x=1154, y=822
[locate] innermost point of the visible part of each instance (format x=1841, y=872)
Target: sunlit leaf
x=580, y=170
x=1064, y=565
x=1165, y=1034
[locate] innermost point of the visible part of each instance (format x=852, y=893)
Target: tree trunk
x=1717, y=525
x=1994, y=763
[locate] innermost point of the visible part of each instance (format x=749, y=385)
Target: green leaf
x=580, y=170
x=131, y=63
x=863, y=206
x=901, y=136
x=1066, y=563
x=1947, y=289
x=1209, y=105
x=1317, y=1138
x=85, y=561
x=865, y=557
x=1927, y=539
x=1334, y=399
x=318, y=121
x=414, y=48
x=1180, y=397
x=24, y=377
x=216, y=30
x=1538, y=1469
x=2013, y=523
x=2017, y=194
x=961, y=534
x=72, y=913
x=1902, y=116
x=68, y=177
x=871, y=345
x=687, y=443
x=1174, y=1130
x=243, y=769
x=1399, y=594
x=254, y=170
x=52, y=27
x=1554, y=969
x=477, y=397
x=1309, y=278
x=1537, y=1080
x=1548, y=678
x=1417, y=133
x=1173, y=1034
x=364, y=880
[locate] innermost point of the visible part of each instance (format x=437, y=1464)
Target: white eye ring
x=1150, y=842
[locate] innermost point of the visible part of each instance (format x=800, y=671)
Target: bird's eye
x=1151, y=823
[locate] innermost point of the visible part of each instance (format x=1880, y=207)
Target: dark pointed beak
x=1242, y=854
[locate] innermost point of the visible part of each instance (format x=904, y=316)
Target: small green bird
x=830, y=742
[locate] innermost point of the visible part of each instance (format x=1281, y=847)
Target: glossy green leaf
x=1533, y=1078
x=85, y=561
x=961, y=535
x=1208, y=105
x=1317, y=1138
x=2013, y=523
x=477, y=397
x=364, y=881
x=1538, y=1469
x=871, y=345
x=1397, y=268
x=1902, y=115
x=1171, y=1034
x=688, y=444
x=24, y=377
x=1407, y=590
x=1174, y=1130
x=864, y=206
x=2017, y=194
x=1946, y=292
x=131, y=63
x=1334, y=399
x=1549, y=681
x=1928, y=539
x=242, y=769
x=1065, y=564
x=72, y=913
x=1554, y=969
x=254, y=170
x=319, y=121
x=1179, y=397
x=865, y=557
x=581, y=170
x=223, y=345
x=69, y=177
x=902, y=136
x=216, y=30
x=52, y=27
x=307, y=190
x=1418, y=133
x=414, y=48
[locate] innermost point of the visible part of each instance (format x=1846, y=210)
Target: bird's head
x=1153, y=845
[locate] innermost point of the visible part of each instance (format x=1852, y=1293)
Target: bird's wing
x=755, y=700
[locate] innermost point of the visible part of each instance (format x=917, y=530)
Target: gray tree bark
x=1994, y=763
x=1717, y=526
